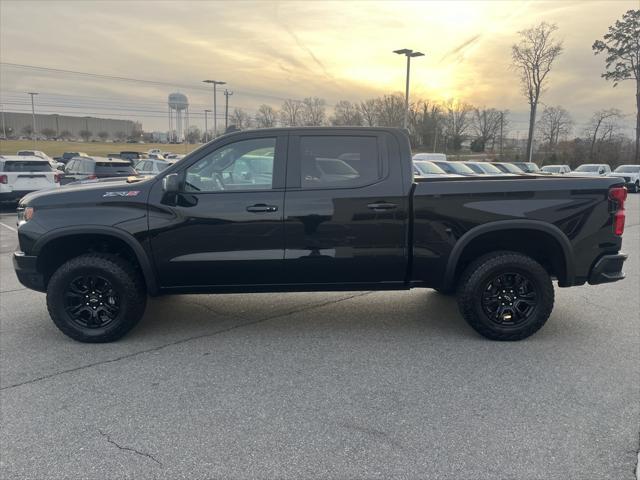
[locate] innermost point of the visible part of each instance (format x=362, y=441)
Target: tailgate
x=29, y=181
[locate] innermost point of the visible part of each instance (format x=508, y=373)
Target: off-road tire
x=126, y=282
x=481, y=271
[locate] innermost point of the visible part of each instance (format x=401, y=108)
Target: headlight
x=24, y=215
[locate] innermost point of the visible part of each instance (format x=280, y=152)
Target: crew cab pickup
x=317, y=209
x=20, y=175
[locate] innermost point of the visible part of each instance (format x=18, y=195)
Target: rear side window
x=108, y=167
x=84, y=166
x=18, y=166
x=334, y=161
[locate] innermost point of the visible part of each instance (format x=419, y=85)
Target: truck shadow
x=419, y=312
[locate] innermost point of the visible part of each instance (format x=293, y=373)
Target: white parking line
x=10, y=228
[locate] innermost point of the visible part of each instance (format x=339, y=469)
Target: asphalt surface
x=340, y=385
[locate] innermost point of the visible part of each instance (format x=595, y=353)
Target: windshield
x=488, y=168
x=430, y=156
x=628, y=169
x=475, y=168
x=428, y=168
x=460, y=168
x=551, y=169
x=588, y=168
x=511, y=168
x=27, y=166
x=528, y=167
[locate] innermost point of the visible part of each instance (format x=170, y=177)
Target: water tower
x=178, y=116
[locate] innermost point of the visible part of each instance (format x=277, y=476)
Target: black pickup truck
x=317, y=209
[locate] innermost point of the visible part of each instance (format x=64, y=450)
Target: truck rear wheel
x=96, y=298
x=505, y=296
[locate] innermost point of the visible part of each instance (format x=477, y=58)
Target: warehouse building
x=14, y=125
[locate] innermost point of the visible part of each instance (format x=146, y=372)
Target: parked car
x=151, y=167
x=507, y=167
x=20, y=175
x=195, y=228
x=527, y=167
x=156, y=156
x=154, y=151
x=173, y=156
x=132, y=156
x=458, y=168
x=484, y=168
x=556, y=169
x=430, y=156
x=92, y=168
x=427, y=169
x=631, y=175
x=35, y=153
x=66, y=156
x=592, y=170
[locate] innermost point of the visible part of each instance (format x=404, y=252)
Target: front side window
x=242, y=165
x=339, y=161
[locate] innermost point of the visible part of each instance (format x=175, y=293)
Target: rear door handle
x=261, y=207
x=382, y=206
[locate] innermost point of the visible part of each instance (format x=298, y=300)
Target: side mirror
x=171, y=183
x=601, y=171
x=60, y=166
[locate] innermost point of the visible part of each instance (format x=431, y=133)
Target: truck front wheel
x=505, y=296
x=96, y=298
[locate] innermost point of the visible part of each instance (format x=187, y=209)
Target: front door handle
x=261, y=207
x=382, y=206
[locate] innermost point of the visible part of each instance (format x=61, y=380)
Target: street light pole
x=227, y=94
x=206, y=128
x=408, y=53
x=33, y=116
x=215, y=106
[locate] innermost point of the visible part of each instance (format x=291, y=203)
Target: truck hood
x=88, y=192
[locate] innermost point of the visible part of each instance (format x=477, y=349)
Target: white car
x=556, y=169
x=426, y=169
x=20, y=175
x=151, y=167
x=154, y=151
x=430, y=157
x=592, y=170
x=631, y=175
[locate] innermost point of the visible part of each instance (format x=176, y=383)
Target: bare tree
x=486, y=125
x=65, y=135
x=346, y=113
x=103, y=136
x=85, y=134
x=27, y=130
x=240, y=119
x=603, y=124
x=622, y=47
x=266, y=116
x=120, y=136
x=291, y=113
x=554, y=123
x=390, y=111
x=369, y=112
x=425, y=124
x=193, y=135
x=313, y=111
x=533, y=56
x=458, y=120
x=48, y=133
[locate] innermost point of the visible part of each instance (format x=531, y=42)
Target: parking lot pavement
x=330, y=385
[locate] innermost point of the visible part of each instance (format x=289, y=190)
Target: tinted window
x=114, y=168
x=488, y=168
x=475, y=168
x=338, y=161
x=243, y=165
x=18, y=166
x=85, y=166
x=428, y=168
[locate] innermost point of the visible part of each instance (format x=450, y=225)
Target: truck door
x=345, y=209
x=225, y=226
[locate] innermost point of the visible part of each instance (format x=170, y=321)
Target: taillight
x=618, y=195
x=4, y=179
x=92, y=177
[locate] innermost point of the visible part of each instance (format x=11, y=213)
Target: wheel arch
x=475, y=240
x=88, y=235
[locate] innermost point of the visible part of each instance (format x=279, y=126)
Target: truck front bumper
x=27, y=272
x=608, y=269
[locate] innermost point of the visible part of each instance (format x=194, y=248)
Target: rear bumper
x=27, y=272
x=608, y=269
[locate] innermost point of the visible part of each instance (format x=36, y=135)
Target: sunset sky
x=268, y=51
